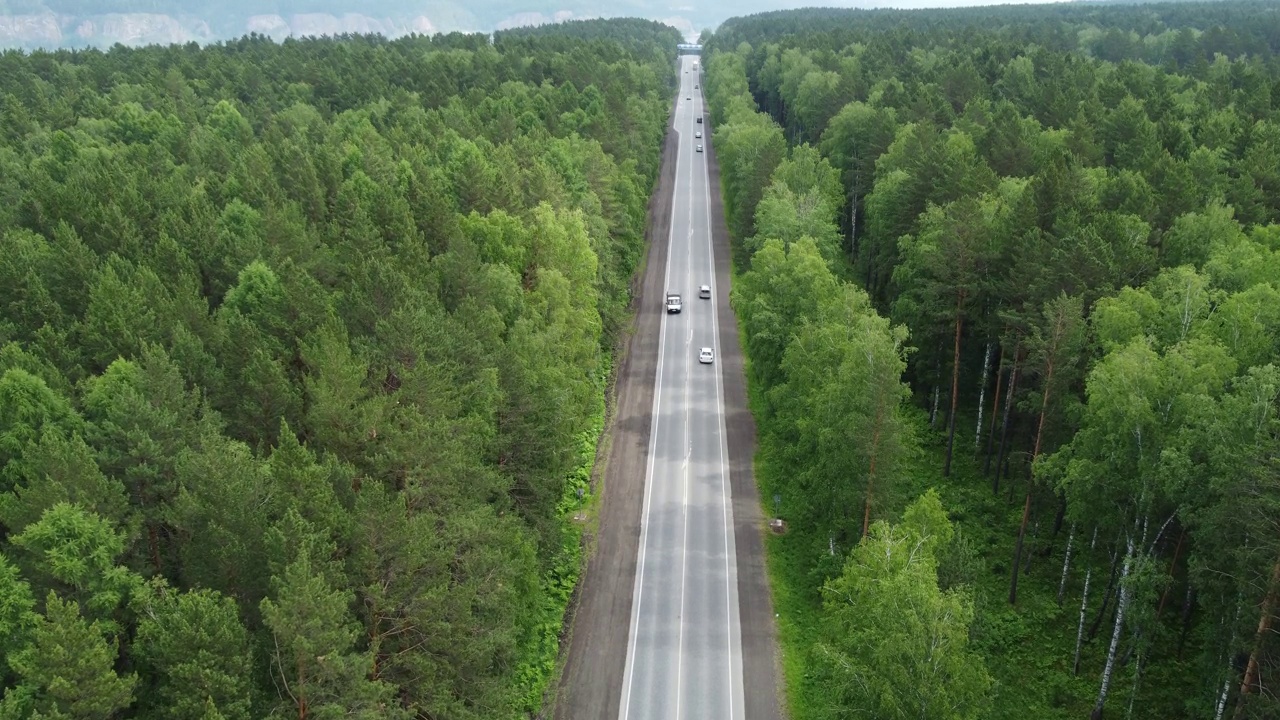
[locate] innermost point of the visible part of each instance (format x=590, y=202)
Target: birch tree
x=894, y=645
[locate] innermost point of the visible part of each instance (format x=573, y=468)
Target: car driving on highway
x=699, y=148
x=704, y=292
x=707, y=356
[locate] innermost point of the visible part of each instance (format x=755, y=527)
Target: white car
x=698, y=134
x=704, y=292
x=707, y=356
x=699, y=148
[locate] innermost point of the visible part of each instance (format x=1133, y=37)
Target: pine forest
x=302, y=362
x=307, y=349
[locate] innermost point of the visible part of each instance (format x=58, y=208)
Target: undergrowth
x=1028, y=648
x=540, y=667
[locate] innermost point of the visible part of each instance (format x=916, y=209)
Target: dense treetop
x=1071, y=217
x=302, y=356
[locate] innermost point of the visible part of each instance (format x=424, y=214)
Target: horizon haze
x=49, y=24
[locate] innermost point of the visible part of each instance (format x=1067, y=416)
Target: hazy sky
x=918, y=4
x=178, y=21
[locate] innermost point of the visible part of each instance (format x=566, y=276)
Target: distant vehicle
x=704, y=292
x=688, y=98
x=695, y=66
x=707, y=356
x=698, y=134
x=699, y=120
x=695, y=86
x=699, y=148
x=673, y=303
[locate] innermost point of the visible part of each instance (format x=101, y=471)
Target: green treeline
x=1029, y=257
x=302, y=363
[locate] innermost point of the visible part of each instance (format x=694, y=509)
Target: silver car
x=707, y=356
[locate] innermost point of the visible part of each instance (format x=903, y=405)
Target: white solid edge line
x=638, y=586
x=726, y=491
x=688, y=444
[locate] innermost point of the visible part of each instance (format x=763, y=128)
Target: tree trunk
x=1187, y=603
x=1172, y=565
x=1137, y=675
x=303, y=708
x=1231, y=670
x=1030, y=554
x=1222, y=697
x=955, y=386
x=1017, y=553
x=1250, y=684
x=1004, y=425
x=933, y=412
x=995, y=413
x=1122, y=607
x=982, y=398
x=1106, y=596
x=1026, y=506
x=1084, y=606
x=1066, y=563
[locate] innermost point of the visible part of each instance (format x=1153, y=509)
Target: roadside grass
x=578, y=508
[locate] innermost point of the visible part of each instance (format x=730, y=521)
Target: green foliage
x=67, y=669
x=27, y=407
x=303, y=350
x=62, y=470
x=195, y=646
x=75, y=552
x=1072, y=210
x=895, y=645
x=17, y=611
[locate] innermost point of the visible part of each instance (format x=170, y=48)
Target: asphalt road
x=684, y=652
x=599, y=663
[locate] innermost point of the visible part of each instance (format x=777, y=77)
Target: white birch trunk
x=982, y=398
x=1231, y=670
x=1066, y=563
x=1122, y=607
x=1084, y=606
x=1137, y=673
x=1222, y=699
x=933, y=413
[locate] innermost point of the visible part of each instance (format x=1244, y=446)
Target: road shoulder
x=600, y=614
x=761, y=665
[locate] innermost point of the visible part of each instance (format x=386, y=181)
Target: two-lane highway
x=684, y=654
